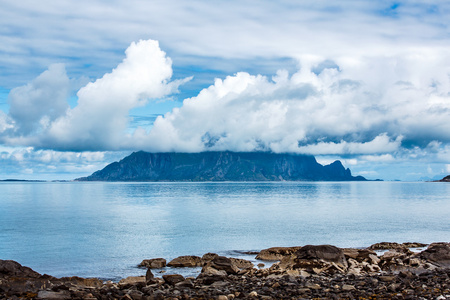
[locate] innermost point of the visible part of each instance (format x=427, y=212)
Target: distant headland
x=445, y=179
x=221, y=166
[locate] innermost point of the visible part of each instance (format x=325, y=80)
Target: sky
x=85, y=83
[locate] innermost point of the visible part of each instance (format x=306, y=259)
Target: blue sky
x=84, y=83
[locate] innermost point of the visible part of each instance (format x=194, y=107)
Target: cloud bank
x=41, y=117
x=363, y=106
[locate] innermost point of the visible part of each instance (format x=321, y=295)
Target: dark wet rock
x=186, y=261
x=327, y=253
x=154, y=263
x=437, y=253
x=276, y=253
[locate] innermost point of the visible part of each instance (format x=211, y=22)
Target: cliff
x=220, y=166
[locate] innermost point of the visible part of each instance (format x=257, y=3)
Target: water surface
x=98, y=229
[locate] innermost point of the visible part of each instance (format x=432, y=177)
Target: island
x=221, y=166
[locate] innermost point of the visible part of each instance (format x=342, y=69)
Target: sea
x=105, y=229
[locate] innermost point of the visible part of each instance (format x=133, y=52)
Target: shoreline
x=322, y=272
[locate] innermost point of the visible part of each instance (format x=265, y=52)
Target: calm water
x=105, y=229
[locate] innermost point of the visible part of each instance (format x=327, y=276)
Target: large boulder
x=438, y=254
x=10, y=268
x=186, y=261
x=327, y=253
x=276, y=253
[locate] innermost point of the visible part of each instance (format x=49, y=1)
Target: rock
x=223, y=263
x=327, y=253
x=253, y=294
x=358, y=254
x=208, y=257
x=241, y=263
x=387, y=278
x=53, y=295
x=437, y=253
x=222, y=297
x=10, y=268
x=386, y=246
x=132, y=280
x=154, y=263
x=313, y=286
x=374, y=259
x=261, y=265
x=186, y=261
x=185, y=284
x=83, y=282
x=208, y=270
x=149, y=275
x=348, y=287
x=173, y=278
x=276, y=253
x=414, y=245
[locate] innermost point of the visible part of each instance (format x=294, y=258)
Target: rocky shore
x=307, y=272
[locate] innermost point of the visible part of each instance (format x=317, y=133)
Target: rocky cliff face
x=220, y=166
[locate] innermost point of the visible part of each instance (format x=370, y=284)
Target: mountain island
x=221, y=166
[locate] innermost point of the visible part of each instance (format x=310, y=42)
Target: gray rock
x=437, y=253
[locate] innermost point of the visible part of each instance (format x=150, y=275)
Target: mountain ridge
x=221, y=166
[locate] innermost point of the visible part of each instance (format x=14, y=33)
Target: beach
x=381, y=271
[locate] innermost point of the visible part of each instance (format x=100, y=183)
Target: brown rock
x=276, y=253
x=386, y=246
x=208, y=257
x=414, y=245
x=223, y=263
x=173, y=278
x=358, y=254
x=241, y=263
x=132, y=280
x=186, y=261
x=149, y=275
x=10, y=268
x=154, y=263
x=327, y=253
x=85, y=282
